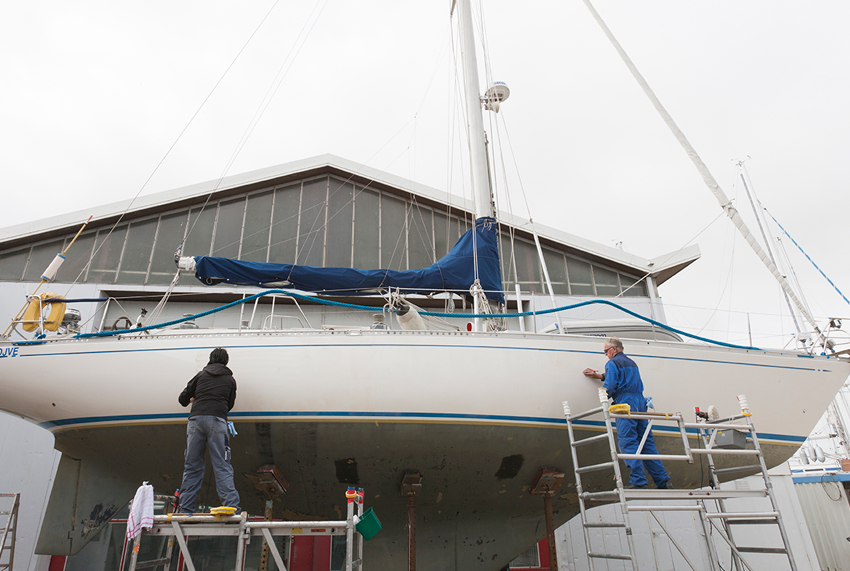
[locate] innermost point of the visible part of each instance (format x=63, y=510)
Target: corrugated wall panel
x=827, y=512
x=655, y=550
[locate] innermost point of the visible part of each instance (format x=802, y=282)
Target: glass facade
x=321, y=221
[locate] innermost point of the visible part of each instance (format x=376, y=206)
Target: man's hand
x=592, y=373
x=192, y=399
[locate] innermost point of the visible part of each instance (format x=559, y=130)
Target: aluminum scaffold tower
x=180, y=527
x=721, y=521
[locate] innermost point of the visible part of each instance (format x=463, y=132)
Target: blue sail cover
x=454, y=272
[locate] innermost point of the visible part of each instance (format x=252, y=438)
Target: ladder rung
x=659, y=457
x=752, y=521
x=778, y=550
x=730, y=515
x=605, y=524
x=738, y=469
x=595, y=467
x=619, y=556
x=590, y=412
x=600, y=495
x=726, y=451
x=152, y=563
x=590, y=440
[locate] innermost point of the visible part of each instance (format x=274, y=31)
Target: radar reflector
x=497, y=93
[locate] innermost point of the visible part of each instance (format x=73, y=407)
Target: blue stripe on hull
x=392, y=345
x=398, y=416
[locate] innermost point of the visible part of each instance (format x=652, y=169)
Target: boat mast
x=474, y=119
x=707, y=177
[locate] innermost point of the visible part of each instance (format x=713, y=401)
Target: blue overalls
x=624, y=385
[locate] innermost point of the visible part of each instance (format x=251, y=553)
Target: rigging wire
x=173, y=144
x=835, y=287
x=751, y=195
x=702, y=168
x=261, y=109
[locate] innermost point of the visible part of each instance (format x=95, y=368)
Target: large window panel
x=607, y=283
x=581, y=278
x=255, y=237
x=108, y=249
x=311, y=232
x=528, y=266
x=366, y=230
x=456, y=229
x=639, y=290
x=12, y=264
x=393, y=246
x=557, y=271
x=419, y=237
x=506, y=254
x=199, y=238
x=442, y=244
x=228, y=228
x=285, y=224
x=73, y=270
x=41, y=257
x=169, y=235
x=340, y=212
x=137, y=252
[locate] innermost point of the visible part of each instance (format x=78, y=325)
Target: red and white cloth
x=141, y=511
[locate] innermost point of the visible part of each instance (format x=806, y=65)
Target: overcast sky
x=95, y=93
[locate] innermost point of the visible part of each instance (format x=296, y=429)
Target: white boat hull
x=478, y=414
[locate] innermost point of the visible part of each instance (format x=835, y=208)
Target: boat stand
x=7, y=537
x=709, y=431
x=180, y=527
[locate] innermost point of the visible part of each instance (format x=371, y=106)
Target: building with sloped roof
x=323, y=211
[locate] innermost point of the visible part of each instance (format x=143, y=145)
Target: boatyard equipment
x=411, y=483
x=708, y=431
x=7, y=540
x=27, y=315
x=272, y=483
x=546, y=483
x=183, y=526
x=369, y=524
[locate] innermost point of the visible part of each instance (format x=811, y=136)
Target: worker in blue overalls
x=624, y=385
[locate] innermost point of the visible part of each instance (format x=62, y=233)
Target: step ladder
x=180, y=527
x=7, y=535
x=707, y=431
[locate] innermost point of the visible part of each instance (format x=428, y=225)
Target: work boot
x=631, y=486
x=665, y=485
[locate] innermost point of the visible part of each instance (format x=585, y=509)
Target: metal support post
x=410, y=485
x=550, y=531
x=264, y=556
x=411, y=533
x=349, y=529
x=548, y=480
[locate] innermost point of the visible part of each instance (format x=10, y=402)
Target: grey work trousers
x=207, y=431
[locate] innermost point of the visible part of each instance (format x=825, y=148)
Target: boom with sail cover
x=456, y=271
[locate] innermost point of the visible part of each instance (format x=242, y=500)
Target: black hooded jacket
x=214, y=391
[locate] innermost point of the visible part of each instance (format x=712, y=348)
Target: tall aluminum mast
x=474, y=120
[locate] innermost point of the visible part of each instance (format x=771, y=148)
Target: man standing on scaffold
x=212, y=393
x=622, y=381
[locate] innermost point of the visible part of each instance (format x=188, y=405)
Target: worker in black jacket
x=212, y=393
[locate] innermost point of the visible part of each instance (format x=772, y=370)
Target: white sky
x=94, y=94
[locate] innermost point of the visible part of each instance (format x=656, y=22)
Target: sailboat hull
x=478, y=414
